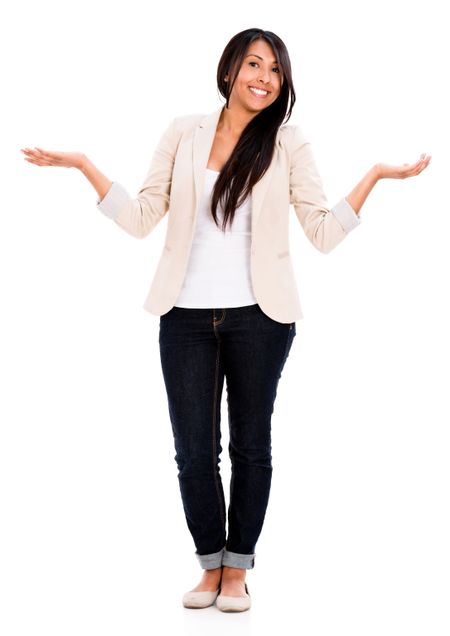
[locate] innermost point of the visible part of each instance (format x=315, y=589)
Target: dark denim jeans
x=198, y=348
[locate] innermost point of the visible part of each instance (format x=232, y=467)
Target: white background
x=93, y=537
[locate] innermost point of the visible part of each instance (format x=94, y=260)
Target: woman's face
x=259, y=70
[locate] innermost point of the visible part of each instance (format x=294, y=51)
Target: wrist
x=82, y=163
x=376, y=171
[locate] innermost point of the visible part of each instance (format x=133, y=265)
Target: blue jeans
x=198, y=348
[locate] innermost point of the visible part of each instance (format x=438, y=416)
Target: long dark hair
x=252, y=155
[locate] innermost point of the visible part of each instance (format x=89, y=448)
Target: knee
x=195, y=465
x=255, y=456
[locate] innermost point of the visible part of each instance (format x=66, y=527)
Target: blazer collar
x=202, y=143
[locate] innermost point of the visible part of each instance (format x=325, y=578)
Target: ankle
x=230, y=572
x=215, y=573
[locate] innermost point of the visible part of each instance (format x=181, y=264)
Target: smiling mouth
x=256, y=92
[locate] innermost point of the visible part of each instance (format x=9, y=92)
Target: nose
x=264, y=76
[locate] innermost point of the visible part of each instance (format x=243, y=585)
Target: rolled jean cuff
x=236, y=560
x=210, y=561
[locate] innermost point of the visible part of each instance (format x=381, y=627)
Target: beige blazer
x=174, y=184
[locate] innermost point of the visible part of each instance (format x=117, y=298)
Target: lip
x=259, y=88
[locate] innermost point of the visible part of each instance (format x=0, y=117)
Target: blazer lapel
x=201, y=149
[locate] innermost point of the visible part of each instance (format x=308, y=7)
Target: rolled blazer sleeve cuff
x=113, y=201
x=346, y=215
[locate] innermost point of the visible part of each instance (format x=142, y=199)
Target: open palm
x=386, y=171
x=41, y=157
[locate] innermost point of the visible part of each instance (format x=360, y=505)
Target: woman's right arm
x=137, y=216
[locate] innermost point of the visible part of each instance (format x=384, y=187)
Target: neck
x=232, y=121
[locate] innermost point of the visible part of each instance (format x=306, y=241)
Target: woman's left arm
x=362, y=190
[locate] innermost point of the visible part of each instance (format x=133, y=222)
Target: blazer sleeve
x=325, y=227
x=139, y=216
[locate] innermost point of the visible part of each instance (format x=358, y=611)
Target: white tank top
x=218, y=272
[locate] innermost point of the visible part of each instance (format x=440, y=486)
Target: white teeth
x=257, y=91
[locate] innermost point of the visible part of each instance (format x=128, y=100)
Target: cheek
x=245, y=84
x=246, y=78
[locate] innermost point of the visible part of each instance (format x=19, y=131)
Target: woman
x=226, y=296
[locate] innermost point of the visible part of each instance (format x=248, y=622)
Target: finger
x=48, y=157
x=409, y=170
x=425, y=165
x=413, y=166
x=417, y=166
x=32, y=153
x=419, y=169
x=44, y=153
x=425, y=160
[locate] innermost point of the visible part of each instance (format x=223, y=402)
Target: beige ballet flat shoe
x=234, y=603
x=199, y=599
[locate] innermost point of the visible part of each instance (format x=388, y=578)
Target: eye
x=275, y=68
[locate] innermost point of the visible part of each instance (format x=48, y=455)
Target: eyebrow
x=274, y=62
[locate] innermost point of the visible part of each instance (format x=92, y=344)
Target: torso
x=221, y=151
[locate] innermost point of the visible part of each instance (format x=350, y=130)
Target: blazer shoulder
x=178, y=126
x=292, y=136
x=185, y=122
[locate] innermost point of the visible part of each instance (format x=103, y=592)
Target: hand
x=41, y=157
x=385, y=171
